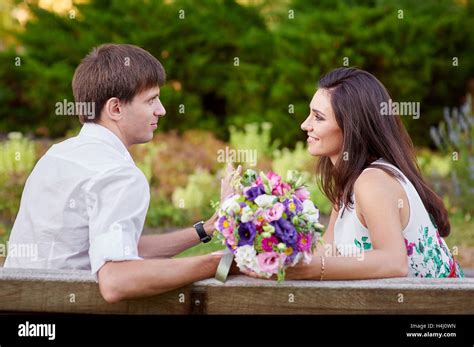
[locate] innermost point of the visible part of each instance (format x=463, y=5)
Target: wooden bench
x=67, y=291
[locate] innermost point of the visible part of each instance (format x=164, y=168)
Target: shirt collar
x=105, y=135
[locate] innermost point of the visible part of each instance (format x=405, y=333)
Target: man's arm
x=139, y=278
x=168, y=245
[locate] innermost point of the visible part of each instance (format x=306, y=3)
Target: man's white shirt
x=84, y=204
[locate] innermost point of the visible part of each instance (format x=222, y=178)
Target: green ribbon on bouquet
x=224, y=266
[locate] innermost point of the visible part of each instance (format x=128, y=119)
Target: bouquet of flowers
x=269, y=224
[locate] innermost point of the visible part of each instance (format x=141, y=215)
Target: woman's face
x=324, y=135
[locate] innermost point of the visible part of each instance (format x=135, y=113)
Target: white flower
x=246, y=257
x=247, y=214
x=307, y=256
x=231, y=206
x=265, y=200
x=311, y=212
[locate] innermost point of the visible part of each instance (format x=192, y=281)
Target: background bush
x=282, y=48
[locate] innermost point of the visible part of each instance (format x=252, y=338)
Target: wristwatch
x=199, y=226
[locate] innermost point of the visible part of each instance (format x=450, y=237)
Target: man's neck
x=113, y=128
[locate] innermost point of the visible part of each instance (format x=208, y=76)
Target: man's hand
x=209, y=224
x=227, y=189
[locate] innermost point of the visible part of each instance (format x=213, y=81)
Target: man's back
x=71, y=213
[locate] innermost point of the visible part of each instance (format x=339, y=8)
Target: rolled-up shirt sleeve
x=117, y=202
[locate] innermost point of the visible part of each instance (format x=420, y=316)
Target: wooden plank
x=67, y=291
x=241, y=295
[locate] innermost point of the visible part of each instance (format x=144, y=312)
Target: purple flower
x=289, y=259
x=285, y=231
x=293, y=206
x=304, y=242
x=252, y=193
x=247, y=233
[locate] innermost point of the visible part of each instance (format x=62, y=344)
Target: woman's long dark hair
x=356, y=98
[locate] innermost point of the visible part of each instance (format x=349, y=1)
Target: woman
x=386, y=221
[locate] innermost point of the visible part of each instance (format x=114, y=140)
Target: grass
x=203, y=248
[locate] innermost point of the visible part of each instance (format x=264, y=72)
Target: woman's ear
x=113, y=109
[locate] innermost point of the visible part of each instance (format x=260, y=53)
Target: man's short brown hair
x=114, y=70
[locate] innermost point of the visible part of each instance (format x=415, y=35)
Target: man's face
x=141, y=116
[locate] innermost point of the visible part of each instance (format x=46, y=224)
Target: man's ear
x=113, y=109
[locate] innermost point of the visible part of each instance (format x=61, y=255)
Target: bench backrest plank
x=75, y=291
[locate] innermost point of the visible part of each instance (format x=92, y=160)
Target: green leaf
x=357, y=243
x=425, y=232
x=266, y=183
x=249, y=177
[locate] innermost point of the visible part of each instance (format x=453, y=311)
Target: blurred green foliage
x=253, y=136
x=199, y=191
x=455, y=137
x=17, y=155
x=234, y=63
x=17, y=158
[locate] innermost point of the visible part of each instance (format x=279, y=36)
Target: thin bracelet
x=322, y=268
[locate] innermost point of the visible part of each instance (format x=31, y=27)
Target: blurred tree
x=410, y=46
x=214, y=54
x=234, y=63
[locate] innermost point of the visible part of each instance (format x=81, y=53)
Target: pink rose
x=276, y=184
x=270, y=262
x=231, y=240
x=227, y=232
x=278, y=189
x=274, y=213
x=302, y=194
x=273, y=177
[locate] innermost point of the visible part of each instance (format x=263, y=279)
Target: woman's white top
x=428, y=255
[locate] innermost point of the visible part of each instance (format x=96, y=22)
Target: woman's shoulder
x=375, y=183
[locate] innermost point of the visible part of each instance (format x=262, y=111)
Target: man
x=85, y=202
